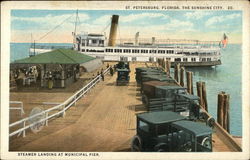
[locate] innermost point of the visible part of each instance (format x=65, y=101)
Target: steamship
x=185, y=52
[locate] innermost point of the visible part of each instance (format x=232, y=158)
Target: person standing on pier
x=111, y=71
x=102, y=75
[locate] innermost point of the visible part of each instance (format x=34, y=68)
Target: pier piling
x=204, y=96
x=168, y=65
x=189, y=76
x=199, y=93
x=176, y=72
x=182, y=76
x=223, y=111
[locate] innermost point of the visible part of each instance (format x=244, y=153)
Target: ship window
x=83, y=50
x=209, y=59
x=94, y=41
x=203, y=59
x=133, y=58
x=83, y=44
x=152, y=51
x=133, y=51
x=146, y=51
x=185, y=59
x=177, y=60
x=193, y=59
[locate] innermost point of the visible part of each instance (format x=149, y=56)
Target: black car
x=167, y=131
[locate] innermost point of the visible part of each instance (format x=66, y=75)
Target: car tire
x=206, y=142
x=136, y=144
x=160, y=150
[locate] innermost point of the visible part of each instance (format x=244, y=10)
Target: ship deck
x=104, y=120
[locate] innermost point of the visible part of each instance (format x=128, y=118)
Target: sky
x=198, y=25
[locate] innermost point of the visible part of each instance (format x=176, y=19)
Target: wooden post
x=204, y=96
x=226, y=112
x=167, y=64
x=163, y=64
x=63, y=76
x=199, y=92
x=220, y=106
x=191, y=82
x=176, y=72
x=189, y=76
x=42, y=74
x=182, y=76
x=228, y=115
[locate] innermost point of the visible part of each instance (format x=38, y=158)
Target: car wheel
x=206, y=142
x=160, y=150
x=187, y=147
x=136, y=145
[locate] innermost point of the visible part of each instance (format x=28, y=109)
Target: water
x=226, y=77
x=21, y=50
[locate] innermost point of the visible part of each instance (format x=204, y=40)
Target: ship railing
x=19, y=107
x=61, y=108
x=167, y=41
x=50, y=47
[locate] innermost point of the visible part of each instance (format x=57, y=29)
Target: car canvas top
x=170, y=87
x=189, y=96
x=160, y=117
x=195, y=128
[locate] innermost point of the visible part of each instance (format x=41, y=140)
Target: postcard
x=125, y=80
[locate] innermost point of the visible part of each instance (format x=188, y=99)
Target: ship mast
x=74, y=35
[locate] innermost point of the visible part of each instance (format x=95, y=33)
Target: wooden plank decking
x=104, y=120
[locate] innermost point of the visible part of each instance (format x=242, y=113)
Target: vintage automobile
x=141, y=71
x=123, y=71
x=167, y=131
x=122, y=76
x=166, y=92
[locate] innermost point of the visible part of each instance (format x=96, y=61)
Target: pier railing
x=60, y=109
x=20, y=107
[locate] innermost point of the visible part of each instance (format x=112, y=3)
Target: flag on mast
x=224, y=40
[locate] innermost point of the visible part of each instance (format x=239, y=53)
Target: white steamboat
x=186, y=52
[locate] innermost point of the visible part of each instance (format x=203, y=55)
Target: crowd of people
x=26, y=75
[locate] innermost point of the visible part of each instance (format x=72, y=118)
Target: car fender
x=160, y=146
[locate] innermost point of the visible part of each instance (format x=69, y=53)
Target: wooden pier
x=103, y=120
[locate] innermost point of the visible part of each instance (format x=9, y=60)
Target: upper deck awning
x=58, y=56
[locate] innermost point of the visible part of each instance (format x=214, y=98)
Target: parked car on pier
x=167, y=131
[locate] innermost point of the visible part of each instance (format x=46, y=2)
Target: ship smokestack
x=136, y=38
x=113, y=30
x=153, y=40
